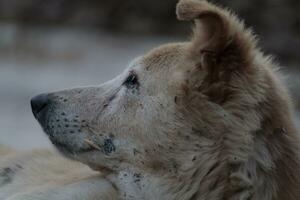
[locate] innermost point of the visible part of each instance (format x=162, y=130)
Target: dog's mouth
x=67, y=149
x=75, y=154
x=73, y=137
x=81, y=143
x=70, y=138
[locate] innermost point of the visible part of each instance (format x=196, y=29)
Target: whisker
x=92, y=144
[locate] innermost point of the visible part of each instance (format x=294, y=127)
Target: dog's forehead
x=136, y=63
x=162, y=56
x=161, y=61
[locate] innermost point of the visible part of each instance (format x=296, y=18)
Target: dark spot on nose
x=39, y=104
x=108, y=146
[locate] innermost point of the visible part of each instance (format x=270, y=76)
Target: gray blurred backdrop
x=48, y=45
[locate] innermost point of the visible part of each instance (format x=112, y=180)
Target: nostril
x=39, y=103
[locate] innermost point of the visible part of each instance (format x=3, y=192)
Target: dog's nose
x=39, y=103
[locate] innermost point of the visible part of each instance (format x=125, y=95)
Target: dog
x=207, y=119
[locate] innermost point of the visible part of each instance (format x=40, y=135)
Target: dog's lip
x=101, y=168
x=66, y=149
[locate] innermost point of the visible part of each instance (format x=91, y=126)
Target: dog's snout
x=39, y=103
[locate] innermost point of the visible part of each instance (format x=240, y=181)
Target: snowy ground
x=39, y=60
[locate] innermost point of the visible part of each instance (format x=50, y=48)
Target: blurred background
x=48, y=45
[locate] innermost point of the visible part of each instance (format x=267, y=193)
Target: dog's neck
x=203, y=182
x=256, y=172
x=201, y=177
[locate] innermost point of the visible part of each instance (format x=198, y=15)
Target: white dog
x=207, y=119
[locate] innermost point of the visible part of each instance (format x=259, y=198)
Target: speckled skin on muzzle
x=70, y=118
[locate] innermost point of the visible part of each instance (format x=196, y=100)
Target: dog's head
x=172, y=107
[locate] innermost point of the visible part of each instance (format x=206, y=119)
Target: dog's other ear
x=219, y=39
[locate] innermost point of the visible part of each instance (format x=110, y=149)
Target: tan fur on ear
x=218, y=32
x=190, y=9
x=213, y=34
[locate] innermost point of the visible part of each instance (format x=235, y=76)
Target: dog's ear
x=220, y=39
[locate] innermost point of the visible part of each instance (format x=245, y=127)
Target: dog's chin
x=78, y=154
x=69, y=151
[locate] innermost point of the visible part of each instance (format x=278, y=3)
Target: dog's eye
x=131, y=81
